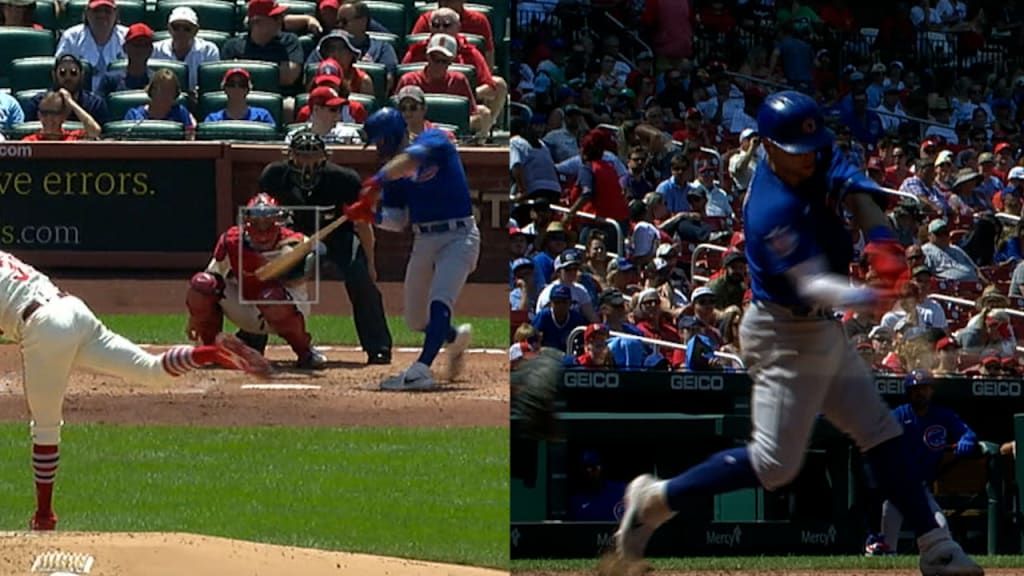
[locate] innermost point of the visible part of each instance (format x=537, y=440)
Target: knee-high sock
x=44, y=466
x=723, y=472
x=887, y=463
x=439, y=331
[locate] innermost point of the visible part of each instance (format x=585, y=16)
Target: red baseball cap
x=946, y=342
x=875, y=163
x=594, y=330
x=865, y=346
x=234, y=71
x=329, y=67
x=98, y=3
x=325, y=96
x=991, y=360
x=681, y=135
x=264, y=8
x=139, y=30
x=928, y=144
x=334, y=4
x=1003, y=146
x=329, y=80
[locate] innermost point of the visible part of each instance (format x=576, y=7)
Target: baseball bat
x=289, y=260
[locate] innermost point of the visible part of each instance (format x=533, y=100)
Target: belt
x=36, y=305
x=440, y=227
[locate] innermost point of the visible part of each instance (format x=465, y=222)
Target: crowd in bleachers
x=649, y=126
x=256, y=70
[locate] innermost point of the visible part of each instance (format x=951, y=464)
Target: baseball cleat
x=645, y=511
x=235, y=354
x=941, y=556
x=43, y=522
x=379, y=358
x=313, y=360
x=876, y=546
x=456, y=350
x=415, y=378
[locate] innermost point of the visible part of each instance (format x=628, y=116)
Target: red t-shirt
x=607, y=198
x=470, y=22
x=354, y=112
x=468, y=54
x=454, y=83
x=65, y=136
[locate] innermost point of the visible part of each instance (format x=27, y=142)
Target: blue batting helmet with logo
x=916, y=378
x=386, y=128
x=793, y=122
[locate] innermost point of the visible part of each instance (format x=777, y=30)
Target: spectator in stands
x=650, y=315
x=743, y=164
x=1014, y=187
x=980, y=242
x=339, y=45
x=646, y=236
x=941, y=112
x=597, y=499
x=866, y=351
x=533, y=170
x=138, y=46
x=597, y=185
x=729, y=328
x=553, y=241
x=719, y=204
x=564, y=141
x=947, y=357
x=236, y=84
x=922, y=184
x=412, y=103
x=876, y=170
x=909, y=309
x=702, y=300
x=659, y=276
x=54, y=109
x=185, y=46
x=436, y=78
x=266, y=40
x=700, y=345
x=325, y=110
x=674, y=189
x=990, y=183
x=890, y=110
x=883, y=340
x=595, y=264
x=163, y=91
x=1005, y=160
x=329, y=74
x=623, y=276
x=525, y=345
x=10, y=112
x=796, y=57
x=471, y=22
x=864, y=123
x=354, y=18
x=993, y=332
x=523, y=295
x=22, y=13
x=99, y=40
x=729, y=287
x=965, y=198
x=567, y=270
x=948, y=261
x=922, y=277
x=613, y=313
x=557, y=321
x=637, y=183
x=1011, y=200
x=67, y=74
x=595, y=345
x=1012, y=249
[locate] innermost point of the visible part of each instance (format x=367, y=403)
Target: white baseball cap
x=444, y=44
x=183, y=14
x=747, y=133
x=1016, y=172
x=702, y=291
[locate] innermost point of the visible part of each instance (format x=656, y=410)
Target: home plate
x=274, y=386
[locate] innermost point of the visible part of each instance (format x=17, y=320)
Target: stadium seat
x=36, y=73
x=449, y=109
x=128, y=12
x=495, y=15
x=368, y=101
x=466, y=69
x=304, y=7
x=145, y=130
x=214, y=15
x=45, y=15
x=265, y=75
x=215, y=36
x=308, y=43
x=19, y=131
x=213, y=101
x=239, y=130
x=391, y=15
x=25, y=97
x=379, y=74
x=393, y=39
x=18, y=43
x=474, y=39
x=118, y=103
x=179, y=68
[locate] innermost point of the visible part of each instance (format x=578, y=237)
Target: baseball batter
x=230, y=278
x=57, y=332
x=795, y=351
x=424, y=185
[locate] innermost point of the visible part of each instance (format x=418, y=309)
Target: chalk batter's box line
x=242, y=210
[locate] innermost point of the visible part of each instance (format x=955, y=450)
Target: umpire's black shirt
x=338, y=187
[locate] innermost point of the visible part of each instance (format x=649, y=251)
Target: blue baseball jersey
x=928, y=436
x=785, y=226
x=553, y=334
x=438, y=190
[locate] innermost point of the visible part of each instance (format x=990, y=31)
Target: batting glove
x=965, y=446
x=373, y=185
x=362, y=210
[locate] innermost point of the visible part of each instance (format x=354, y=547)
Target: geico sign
x=995, y=388
x=705, y=382
x=591, y=380
x=889, y=386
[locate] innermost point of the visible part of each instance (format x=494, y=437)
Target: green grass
x=418, y=493
x=755, y=563
x=327, y=330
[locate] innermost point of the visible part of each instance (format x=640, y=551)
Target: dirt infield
x=156, y=554
x=988, y=572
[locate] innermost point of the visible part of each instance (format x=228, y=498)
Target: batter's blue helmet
x=386, y=128
x=793, y=122
x=916, y=378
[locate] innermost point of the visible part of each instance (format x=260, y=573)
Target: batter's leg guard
x=287, y=322
x=439, y=331
x=205, y=316
x=887, y=463
x=257, y=342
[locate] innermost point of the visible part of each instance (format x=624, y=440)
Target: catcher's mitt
x=534, y=389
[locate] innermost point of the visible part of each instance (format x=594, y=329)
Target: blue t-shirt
x=553, y=334
x=178, y=113
x=438, y=191
x=928, y=437
x=676, y=198
x=252, y=114
x=545, y=269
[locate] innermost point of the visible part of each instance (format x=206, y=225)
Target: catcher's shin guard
x=205, y=316
x=287, y=322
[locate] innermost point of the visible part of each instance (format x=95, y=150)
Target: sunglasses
x=183, y=28
x=442, y=23
x=62, y=72
x=409, y=107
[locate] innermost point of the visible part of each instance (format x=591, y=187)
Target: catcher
x=230, y=279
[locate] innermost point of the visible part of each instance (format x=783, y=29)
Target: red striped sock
x=181, y=359
x=44, y=465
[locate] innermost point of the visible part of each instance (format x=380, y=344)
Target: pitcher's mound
x=173, y=554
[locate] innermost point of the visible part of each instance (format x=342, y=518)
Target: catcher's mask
x=307, y=155
x=263, y=219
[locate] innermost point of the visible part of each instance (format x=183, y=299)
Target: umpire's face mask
x=306, y=169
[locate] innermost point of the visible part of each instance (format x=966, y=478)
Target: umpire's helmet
x=307, y=154
x=793, y=122
x=386, y=128
x=916, y=377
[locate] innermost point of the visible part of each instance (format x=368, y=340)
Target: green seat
x=19, y=131
x=379, y=74
x=25, y=97
x=308, y=44
x=304, y=7
x=215, y=36
x=45, y=15
x=265, y=75
x=119, y=103
x=393, y=39
x=390, y=15
x=447, y=109
x=179, y=68
x=367, y=100
x=466, y=69
x=18, y=43
x=36, y=72
x=128, y=12
x=145, y=130
x=495, y=15
x=214, y=101
x=213, y=14
x=237, y=130
x=474, y=39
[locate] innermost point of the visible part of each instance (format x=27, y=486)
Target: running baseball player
x=423, y=184
x=229, y=286
x=57, y=332
x=931, y=430
x=799, y=252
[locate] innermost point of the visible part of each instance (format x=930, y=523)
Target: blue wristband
x=880, y=232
